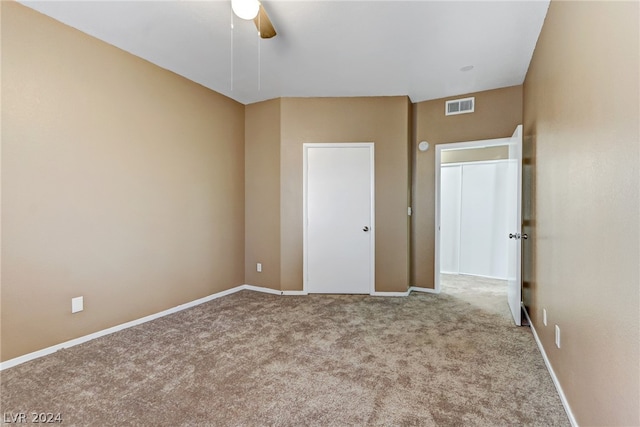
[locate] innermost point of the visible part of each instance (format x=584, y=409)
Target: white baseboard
x=273, y=291
x=261, y=289
x=45, y=351
x=295, y=293
x=556, y=382
x=71, y=343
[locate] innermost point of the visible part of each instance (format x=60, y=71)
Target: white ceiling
x=323, y=48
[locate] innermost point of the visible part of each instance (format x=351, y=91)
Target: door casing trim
x=438, y=170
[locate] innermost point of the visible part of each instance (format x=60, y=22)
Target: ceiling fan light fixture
x=245, y=9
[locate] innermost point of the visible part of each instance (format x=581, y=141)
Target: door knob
x=525, y=236
x=515, y=236
x=365, y=228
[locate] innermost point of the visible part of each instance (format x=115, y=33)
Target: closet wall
x=473, y=219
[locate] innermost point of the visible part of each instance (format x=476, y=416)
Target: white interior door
x=483, y=226
x=338, y=218
x=451, y=185
x=514, y=218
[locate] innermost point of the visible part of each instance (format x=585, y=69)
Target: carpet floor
x=252, y=359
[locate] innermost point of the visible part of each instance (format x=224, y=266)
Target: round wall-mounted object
x=423, y=146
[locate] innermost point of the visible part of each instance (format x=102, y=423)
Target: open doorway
x=475, y=202
x=466, y=220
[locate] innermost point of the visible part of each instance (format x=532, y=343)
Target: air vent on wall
x=459, y=106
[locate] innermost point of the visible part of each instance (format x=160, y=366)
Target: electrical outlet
x=544, y=316
x=557, y=336
x=77, y=304
x=259, y=267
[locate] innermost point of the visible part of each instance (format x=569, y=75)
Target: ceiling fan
x=253, y=10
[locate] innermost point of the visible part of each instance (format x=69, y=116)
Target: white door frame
x=305, y=149
x=439, y=149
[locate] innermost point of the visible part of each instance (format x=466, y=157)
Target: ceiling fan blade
x=263, y=24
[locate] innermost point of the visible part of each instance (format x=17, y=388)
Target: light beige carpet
x=484, y=293
x=255, y=359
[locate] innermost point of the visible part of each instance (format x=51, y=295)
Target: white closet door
x=450, y=184
x=500, y=253
x=483, y=249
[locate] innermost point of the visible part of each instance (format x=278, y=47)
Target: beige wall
x=121, y=182
x=262, y=193
x=382, y=120
x=497, y=113
x=581, y=116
